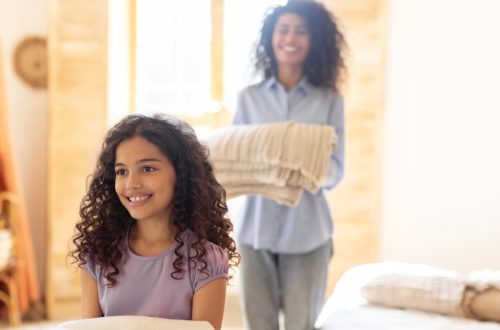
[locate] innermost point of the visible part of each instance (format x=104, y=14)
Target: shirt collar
x=303, y=86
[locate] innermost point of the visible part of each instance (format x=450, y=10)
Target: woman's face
x=291, y=40
x=144, y=179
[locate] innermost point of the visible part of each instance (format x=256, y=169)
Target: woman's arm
x=208, y=302
x=336, y=119
x=90, y=298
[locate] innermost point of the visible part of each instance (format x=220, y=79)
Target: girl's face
x=291, y=40
x=144, y=179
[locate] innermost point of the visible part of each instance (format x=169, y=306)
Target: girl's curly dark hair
x=199, y=200
x=324, y=65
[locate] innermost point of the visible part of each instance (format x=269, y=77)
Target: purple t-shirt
x=146, y=288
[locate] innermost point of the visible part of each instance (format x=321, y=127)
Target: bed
x=347, y=308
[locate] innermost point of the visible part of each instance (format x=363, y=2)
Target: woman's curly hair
x=199, y=200
x=324, y=64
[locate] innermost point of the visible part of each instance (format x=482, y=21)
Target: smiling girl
x=153, y=238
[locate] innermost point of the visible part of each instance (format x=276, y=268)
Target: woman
x=286, y=250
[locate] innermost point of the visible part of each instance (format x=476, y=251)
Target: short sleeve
x=91, y=267
x=217, y=266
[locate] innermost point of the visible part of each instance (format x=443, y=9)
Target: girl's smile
x=138, y=200
x=144, y=179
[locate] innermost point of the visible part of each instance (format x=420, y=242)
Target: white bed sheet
x=364, y=317
x=347, y=310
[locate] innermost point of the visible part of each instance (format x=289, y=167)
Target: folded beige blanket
x=277, y=160
x=474, y=295
x=435, y=293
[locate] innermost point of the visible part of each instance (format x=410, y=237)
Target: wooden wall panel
x=356, y=202
x=77, y=122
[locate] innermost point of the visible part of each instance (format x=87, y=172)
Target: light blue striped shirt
x=266, y=224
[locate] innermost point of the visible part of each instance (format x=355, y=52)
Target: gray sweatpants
x=292, y=283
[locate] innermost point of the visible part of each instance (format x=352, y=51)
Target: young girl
x=153, y=238
x=286, y=250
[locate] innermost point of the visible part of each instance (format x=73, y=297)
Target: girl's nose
x=134, y=181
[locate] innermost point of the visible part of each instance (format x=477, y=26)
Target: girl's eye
x=149, y=169
x=120, y=172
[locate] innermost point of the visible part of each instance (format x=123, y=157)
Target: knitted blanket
x=422, y=287
x=277, y=160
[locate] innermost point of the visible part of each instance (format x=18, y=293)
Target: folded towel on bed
x=422, y=287
x=346, y=310
x=427, y=292
x=277, y=160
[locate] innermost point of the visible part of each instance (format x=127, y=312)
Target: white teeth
x=138, y=198
x=290, y=49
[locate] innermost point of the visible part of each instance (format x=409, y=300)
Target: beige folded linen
x=263, y=158
x=430, y=293
x=422, y=287
x=283, y=195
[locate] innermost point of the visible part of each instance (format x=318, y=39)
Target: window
x=173, y=53
x=173, y=56
x=242, y=22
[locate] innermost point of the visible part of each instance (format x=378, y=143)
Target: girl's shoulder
x=216, y=256
x=215, y=263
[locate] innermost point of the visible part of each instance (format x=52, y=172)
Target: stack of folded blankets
x=277, y=160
